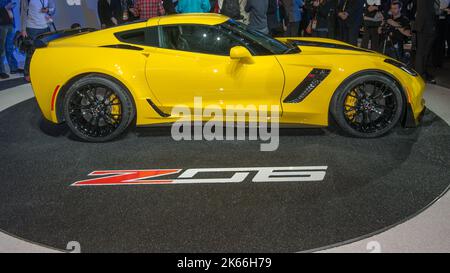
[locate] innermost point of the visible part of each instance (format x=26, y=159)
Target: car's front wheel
x=368, y=106
x=97, y=109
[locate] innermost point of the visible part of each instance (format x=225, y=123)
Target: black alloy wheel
x=368, y=106
x=98, y=109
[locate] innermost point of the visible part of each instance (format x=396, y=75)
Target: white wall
x=68, y=12
x=83, y=12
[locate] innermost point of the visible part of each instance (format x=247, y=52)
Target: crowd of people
x=416, y=32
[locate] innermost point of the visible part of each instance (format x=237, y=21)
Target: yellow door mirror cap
x=240, y=53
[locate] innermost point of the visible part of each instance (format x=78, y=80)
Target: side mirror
x=241, y=53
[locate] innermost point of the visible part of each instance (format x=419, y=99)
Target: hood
x=321, y=46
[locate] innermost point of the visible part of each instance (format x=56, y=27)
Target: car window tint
x=251, y=45
x=197, y=38
x=143, y=36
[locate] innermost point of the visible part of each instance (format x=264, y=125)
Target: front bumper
x=411, y=120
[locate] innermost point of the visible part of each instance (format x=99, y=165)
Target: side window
x=250, y=44
x=197, y=38
x=142, y=36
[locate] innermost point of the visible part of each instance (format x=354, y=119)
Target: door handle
x=146, y=54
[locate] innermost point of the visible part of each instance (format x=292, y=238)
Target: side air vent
x=157, y=110
x=123, y=46
x=314, y=78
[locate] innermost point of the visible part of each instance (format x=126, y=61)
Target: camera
x=387, y=29
x=24, y=44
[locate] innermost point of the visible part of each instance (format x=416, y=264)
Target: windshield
x=259, y=42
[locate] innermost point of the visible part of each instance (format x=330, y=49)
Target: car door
x=193, y=62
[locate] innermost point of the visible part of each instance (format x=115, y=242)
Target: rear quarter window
x=144, y=36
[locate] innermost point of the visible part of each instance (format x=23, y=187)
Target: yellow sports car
x=100, y=82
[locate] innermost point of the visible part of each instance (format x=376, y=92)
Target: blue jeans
x=7, y=48
x=32, y=33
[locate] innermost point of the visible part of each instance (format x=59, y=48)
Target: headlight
x=402, y=66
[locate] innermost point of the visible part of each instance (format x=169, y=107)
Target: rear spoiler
x=43, y=39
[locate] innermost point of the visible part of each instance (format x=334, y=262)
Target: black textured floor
x=370, y=184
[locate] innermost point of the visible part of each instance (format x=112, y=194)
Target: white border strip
x=15, y=95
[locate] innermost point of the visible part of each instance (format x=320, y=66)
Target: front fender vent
x=157, y=110
x=314, y=78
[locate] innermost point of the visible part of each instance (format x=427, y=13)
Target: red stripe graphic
x=127, y=177
x=54, y=97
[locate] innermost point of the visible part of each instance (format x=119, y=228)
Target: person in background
x=109, y=12
x=409, y=9
x=169, y=6
x=442, y=28
x=7, y=38
x=350, y=18
x=231, y=8
x=320, y=10
x=373, y=18
x=35, y=17
x=400, y=30
x=294, y=16
x=426, y=29
x=275, y=18
x=447, y=36
x=332, y=20
x=193, y=6
x=146, y=9
x=258, y=15
x=125, y=11
x=216, y=5
x=385, y=6
x=245, y=15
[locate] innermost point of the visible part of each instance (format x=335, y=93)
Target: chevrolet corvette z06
x=101, y=81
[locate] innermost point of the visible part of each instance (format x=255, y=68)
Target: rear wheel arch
x=59, y=102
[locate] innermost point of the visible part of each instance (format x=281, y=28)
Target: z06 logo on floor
x=214, y=175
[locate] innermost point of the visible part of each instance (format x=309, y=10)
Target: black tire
x=97, y=109
x=368, y=106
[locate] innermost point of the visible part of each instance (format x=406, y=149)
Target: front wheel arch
x=403, y=118
x=335, y=117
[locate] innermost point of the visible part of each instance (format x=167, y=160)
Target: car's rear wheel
x=368, y=106
x=98, y=109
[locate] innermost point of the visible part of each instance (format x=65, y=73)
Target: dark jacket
x=106, y=11
x=4, y=17
x=371, y=22
x=258, y=14
x=169, y=7
x=232, y=9
x=426, y=17
x=321, y=13
x=355, y=10
x=275, y=15
x=293, y=10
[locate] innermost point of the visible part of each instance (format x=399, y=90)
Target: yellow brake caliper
x=116, y=109
x=350, y=104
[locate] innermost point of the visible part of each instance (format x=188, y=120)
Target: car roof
x=189, y=18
